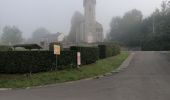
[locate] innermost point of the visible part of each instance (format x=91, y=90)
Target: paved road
x=147, y=78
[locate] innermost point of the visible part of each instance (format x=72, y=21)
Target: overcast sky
x=55, y=15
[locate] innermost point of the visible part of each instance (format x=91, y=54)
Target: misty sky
x=55, y=15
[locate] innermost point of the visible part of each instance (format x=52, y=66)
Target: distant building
x=46, y=40
x=89, y=30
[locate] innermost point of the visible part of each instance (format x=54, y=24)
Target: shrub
x=67, y=59
x=89, y=55
x=108, y=50
x=33, y=61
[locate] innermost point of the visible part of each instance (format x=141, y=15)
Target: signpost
x=57, y=51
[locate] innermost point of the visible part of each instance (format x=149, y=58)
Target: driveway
x=146, y=78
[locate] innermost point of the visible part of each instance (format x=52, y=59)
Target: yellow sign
x=57, y=49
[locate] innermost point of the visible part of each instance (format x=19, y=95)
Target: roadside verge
x=88, y=72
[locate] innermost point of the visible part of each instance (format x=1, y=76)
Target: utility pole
x=77, y=37
x=153, y=24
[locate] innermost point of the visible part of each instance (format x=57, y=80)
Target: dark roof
x=28, y=46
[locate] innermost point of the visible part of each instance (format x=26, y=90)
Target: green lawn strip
x=44, y=78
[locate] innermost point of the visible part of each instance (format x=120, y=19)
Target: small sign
x=57, y=49
x=78, y=58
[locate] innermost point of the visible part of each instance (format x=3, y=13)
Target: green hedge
x=89, y=55
x=39, y=61
x=108, y=50
x=5, y=48
x=67, y=59
x=34, y=61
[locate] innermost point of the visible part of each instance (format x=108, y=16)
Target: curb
x=122, y=67
x=126, y=63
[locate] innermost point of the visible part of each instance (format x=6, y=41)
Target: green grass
x=44, y=78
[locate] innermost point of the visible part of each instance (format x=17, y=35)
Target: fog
x=55, y=15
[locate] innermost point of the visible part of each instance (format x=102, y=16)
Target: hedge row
x=67, y=59
x=89, y=55
x=33, y=61
x=39, y=61
x=108, y=50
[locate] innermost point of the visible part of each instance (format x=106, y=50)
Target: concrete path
x=147, y=78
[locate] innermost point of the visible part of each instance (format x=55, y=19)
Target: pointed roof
x=85, y=1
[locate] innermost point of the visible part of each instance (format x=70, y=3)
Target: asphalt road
x=147, y=78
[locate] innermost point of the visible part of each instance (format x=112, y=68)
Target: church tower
x=90, y=10
x=90, y=20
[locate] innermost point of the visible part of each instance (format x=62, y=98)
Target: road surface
x=147, y=78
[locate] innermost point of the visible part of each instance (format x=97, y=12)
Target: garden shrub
x=89, y=55
x=108, y=50
x=34, y=61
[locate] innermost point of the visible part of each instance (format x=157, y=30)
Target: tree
x=11, y=35
x=76, y=21
x=38, y=35
x=156, y=29
x=126, y=30
x=151, y=33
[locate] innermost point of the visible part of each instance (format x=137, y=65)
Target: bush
x=39, y=61
x=89, y=55
x=108, y=50
x=33, y=61
x=67, y=59
x=5, y=48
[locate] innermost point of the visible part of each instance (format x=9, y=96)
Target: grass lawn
x=44, y=78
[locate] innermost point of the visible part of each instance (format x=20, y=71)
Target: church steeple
x=88, y=30
x=87, y=1
x=90, y=10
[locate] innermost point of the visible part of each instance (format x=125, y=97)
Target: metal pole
x=153, y=27
x=56, y=63
x=76, y=38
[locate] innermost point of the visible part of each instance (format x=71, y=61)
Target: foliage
x=99, y=68
x=151, y=33
x=38, y=35
x=108, y=50
x=34, y=61
x=11, y=35
x=77, y=19
x=67, y=59
x=88, y=54
x=157, y=29
x=38, y=61
x=126, y=30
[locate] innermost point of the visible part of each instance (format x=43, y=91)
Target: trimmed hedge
x=108, y=50
x=13, y=62
x=89, y=55
x=67, y=59
x=33, y=61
